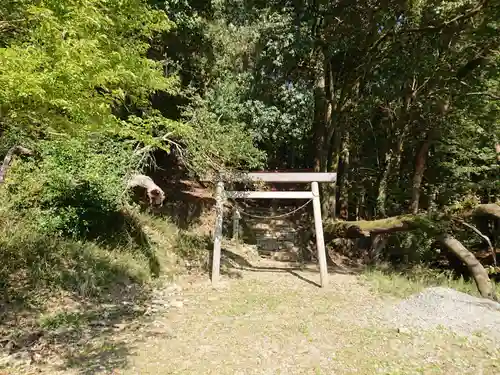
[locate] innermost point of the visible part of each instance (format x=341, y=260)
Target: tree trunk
x=392, y=162
x=329, y=208
x=361, y=203
x=366, y=228
x=382, y=185
x=344, y=181
x=393, y=156
x=418, y=175
x=489, y=209
x=475, y=268
x=322, y=121
x=321, y=117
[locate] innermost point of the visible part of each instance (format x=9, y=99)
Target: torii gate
x=283, y=177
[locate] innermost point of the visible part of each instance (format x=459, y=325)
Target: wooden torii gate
x=281, y=177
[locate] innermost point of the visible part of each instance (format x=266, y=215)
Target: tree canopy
x=400, y=98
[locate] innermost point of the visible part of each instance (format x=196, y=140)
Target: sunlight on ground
x=277, y=324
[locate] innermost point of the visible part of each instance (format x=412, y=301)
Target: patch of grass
x=63, y=319
x=32, y=262
x=405, y=283
x=66, y=287
x=311, y=331
x=194, y=249
x=247, y=303
x=161, y=235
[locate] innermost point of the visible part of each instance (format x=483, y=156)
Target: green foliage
x=218, y=140
x=73, y=187
x=412, y=248
x=73, y=62
x=76, y=86
x=95, y=85
x=193, y=249
x=64, y=319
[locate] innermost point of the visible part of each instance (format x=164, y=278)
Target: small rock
x=120, y=326
x=177, y=304
x=98, y=323
x=173, y=288
x=22, y=355
x=404, y=331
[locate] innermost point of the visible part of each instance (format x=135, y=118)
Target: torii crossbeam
x=281, y=177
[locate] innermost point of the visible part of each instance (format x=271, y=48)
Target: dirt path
x=278, y=323
x=272, y=322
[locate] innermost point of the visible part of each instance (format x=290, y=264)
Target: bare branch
x=485, y=93
x=472, y=12
x=15, y=150
x=486, y=238
x=391, y=32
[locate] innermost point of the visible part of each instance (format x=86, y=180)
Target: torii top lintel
x=292, y=177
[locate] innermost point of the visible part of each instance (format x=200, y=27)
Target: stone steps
x=271, y=235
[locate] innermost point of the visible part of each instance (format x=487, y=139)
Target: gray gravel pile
x=448, y=308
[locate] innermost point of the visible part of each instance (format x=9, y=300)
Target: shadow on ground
x=94, y=338
x=64, y=302
x=237, y=262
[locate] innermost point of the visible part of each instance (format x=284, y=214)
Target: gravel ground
x=443, y=307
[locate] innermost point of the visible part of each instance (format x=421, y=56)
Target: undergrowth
x=413, y=280
x=69, y=233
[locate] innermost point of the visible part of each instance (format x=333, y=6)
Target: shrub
x=72, y=188
x=63, y=223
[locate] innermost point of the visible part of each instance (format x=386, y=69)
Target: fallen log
x=475, y=268
x=367, y=228
x=364, y=228
x=403, y=223
x=490, y=209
